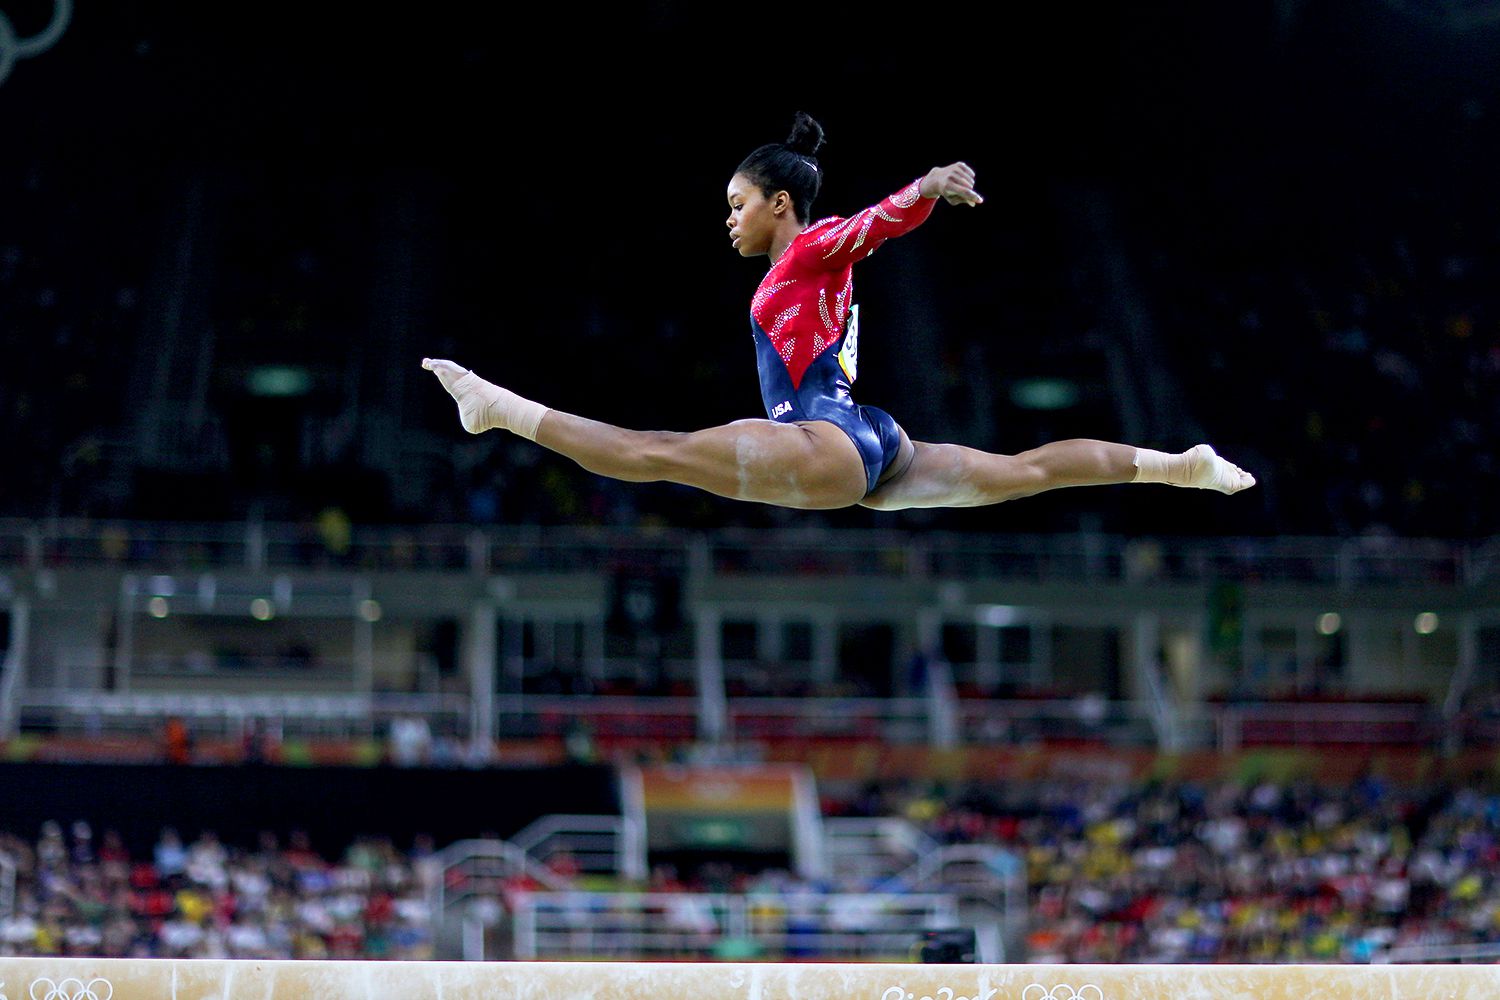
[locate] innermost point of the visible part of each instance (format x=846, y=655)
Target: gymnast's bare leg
x=951, y=475
x=810, y=465
x=813, y=465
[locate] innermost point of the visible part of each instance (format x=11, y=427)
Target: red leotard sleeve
x=844, y=241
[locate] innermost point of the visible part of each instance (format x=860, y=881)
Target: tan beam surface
x=166, y=979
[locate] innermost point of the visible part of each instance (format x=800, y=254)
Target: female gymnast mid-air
x=819, y=449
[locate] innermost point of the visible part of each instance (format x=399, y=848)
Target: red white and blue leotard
x=806, y=326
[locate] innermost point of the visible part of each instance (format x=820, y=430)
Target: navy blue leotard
x=824, y=395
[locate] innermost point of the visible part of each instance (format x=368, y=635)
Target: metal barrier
x=482, y=868
x=283, y=715
x=1486, y=954
x=7, y=885
x=10, y=688
x=873, y=848
x=891, y=720
x=1085, y=558
x=603, y=717
x=1086, y=719
x=594, y=845
x=752, y=721
x=684, y=925
x=1314, y=724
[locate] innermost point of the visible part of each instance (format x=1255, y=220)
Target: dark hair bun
x=807, y=135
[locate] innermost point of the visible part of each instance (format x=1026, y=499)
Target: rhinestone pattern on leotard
x=816, y=270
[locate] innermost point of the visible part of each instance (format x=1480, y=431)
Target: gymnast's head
x=776, y=183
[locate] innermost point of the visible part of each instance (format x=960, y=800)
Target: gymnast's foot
x=1204, y=469
x=484, y=406
x=1199, y=467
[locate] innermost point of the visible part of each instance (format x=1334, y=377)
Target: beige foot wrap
x=1200, y=467
x=484, y=406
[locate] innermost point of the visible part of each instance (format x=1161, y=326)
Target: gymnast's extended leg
x=950, y=475
x=811, y=466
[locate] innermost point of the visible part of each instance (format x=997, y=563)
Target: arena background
x=294, y=668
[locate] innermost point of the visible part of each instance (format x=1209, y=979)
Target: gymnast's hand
x=953, y=183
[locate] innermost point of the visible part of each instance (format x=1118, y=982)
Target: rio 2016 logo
x=946, y=993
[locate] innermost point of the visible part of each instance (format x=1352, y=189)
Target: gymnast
x=817, y=448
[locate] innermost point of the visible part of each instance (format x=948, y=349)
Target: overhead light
x=279, y=380
x=1330, y=623
x=1044, y=393
x=1426, y=623
x=997, y=615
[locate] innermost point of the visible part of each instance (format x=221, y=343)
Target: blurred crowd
x=1160, y=872
x=1228, y=872
x=201, y=898
x=1117, y=871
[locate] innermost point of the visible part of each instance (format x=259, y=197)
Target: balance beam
x=207, y=979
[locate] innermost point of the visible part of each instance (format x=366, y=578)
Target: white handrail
x=1428, y=954
x=589, y=839
x=7, y=885
x=269, y=547
x=832, y=924
x=465, y=852
x=13, y=668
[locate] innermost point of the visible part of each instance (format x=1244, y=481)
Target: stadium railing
x=1286, y=724
x=623, y=721
x=832, y=927
x=233, y=715
x=876, y=868
x=1485, y=954
x=592, y=844
x=63, y=693
x=171, y=547
x=7, y=885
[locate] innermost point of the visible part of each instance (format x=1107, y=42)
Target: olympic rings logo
x=72, y=989
x=1062, y=991
x=13, y=48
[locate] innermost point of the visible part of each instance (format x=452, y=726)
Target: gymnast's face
x=753, y=217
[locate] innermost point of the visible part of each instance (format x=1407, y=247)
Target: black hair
x=790, y=166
